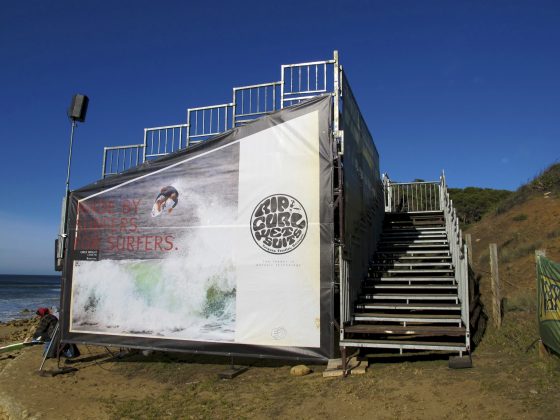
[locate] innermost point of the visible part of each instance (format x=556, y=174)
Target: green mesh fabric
x=548, y=299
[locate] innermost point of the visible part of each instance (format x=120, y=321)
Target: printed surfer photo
x=166, y=195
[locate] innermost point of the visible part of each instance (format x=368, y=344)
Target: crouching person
x=45, y=332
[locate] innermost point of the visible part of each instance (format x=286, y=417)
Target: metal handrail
x=253, y=101
x=294, y=88
x=117, y=159
x=170, y=138
x=210, y=123
x=459, y=255
x=410, y=197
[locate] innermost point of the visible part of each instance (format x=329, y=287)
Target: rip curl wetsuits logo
x=279, y=224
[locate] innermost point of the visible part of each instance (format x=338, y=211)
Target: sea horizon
x=30, y=275
x=22, y=294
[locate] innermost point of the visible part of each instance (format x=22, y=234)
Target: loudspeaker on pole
x=78, y=108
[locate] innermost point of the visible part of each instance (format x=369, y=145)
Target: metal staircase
x=415, y=296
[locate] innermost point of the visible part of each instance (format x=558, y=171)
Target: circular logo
x=279, y=224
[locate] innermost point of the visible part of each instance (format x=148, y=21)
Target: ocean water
x=19, y=292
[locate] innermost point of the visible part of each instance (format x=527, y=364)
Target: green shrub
x=472, y=202
x=548, y=181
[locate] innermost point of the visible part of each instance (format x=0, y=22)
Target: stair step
x=403, y=344
x=423, y=257
x=431, y=215
x=424, y=318
x=414, y=241
x=411, y=234
x=434, y=270
x=408, y=246
x=406, y=237
x=424, y=330
x=414, y=279
x=414, y=252
x=413, y=228
x=408, y=296
x=407, y=223
x=396, y=234
x=411, y=287
x=410, y=306
x=415, y=261
x=416, y=264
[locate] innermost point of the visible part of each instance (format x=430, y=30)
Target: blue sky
x=471, y=87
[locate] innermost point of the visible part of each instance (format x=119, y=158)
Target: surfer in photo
x=166, y=193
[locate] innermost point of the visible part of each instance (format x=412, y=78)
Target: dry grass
x=547, y=183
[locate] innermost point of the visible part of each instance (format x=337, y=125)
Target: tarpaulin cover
x=548, y=297
x=363, y=192
x=222, y=248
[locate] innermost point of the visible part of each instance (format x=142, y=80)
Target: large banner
x=223, y=248
x=548, y=296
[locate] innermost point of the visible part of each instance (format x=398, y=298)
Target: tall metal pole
x=63, y=234
x=74, y=124
x=76, y=112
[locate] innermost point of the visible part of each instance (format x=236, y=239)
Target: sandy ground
x=506, y=382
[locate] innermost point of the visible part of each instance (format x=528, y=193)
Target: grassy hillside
x=472, y=203
x=522, y=222
x=547, y=184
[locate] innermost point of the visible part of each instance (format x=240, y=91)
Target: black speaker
x=78, y=108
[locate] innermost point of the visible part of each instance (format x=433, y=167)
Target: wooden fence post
x=468, y=240
x=496, y=293
x=472, y=288
x=543, y=351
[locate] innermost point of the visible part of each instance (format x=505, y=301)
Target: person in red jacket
x=45, y=332
x=47, y=325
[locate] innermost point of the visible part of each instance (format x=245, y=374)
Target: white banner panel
x=278, y=254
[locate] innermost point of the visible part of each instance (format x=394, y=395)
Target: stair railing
x=298, y=82
x=117, y=159
x=411, y=197
x=387, y=192
x=459, y=254
x=159, y=141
